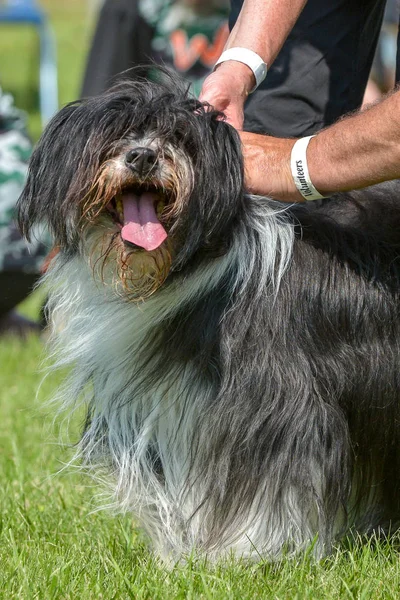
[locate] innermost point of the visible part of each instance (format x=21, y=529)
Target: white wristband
x=249, y=58
x=299, y=167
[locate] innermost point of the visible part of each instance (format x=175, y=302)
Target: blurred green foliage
x=19, y=56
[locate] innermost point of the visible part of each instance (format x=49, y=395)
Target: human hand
x=227, y=88
x=267, y=166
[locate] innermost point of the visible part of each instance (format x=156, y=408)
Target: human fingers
x=226, y=90
x=226, y=102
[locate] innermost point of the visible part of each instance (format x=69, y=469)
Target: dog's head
x=137, y=180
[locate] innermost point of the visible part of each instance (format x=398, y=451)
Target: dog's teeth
x=119, y=206
x=160, y=207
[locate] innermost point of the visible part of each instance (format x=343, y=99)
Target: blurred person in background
x=186, y=35
x=20, y=266
x=382, y=76
x=318, y=53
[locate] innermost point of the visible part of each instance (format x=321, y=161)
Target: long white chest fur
x=148, y=435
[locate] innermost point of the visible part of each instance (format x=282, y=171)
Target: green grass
x=52, y=544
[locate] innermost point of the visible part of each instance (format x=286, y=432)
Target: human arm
x=359, y=150
x=262, y=26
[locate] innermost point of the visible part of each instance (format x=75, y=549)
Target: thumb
x=235, y=116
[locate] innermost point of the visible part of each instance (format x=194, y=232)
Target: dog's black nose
x=141, y=160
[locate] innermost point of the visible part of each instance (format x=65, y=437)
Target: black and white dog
x=239, y=358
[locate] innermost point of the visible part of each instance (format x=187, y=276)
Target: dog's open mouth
x=137, y=211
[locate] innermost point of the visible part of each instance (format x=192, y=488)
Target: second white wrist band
x=299, y=168
x=249, y=58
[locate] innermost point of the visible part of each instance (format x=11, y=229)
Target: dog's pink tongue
x=141, y=226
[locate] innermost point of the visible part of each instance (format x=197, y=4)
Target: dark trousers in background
x=15, y=286
x=321, y=71
x=121, y=41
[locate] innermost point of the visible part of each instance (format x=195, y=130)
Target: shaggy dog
x=239, y=358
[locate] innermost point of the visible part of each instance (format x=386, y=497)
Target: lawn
x=54, y=544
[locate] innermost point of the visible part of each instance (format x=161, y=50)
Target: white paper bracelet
x=249, y=58
x=299, y=167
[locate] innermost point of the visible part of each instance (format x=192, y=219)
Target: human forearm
x=267, y=166
x=359, y=150
x=263, y=26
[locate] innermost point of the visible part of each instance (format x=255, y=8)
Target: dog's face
x=138, y=181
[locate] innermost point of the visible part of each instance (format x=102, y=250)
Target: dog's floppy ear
x=220, y=164
x=52, y=167
x=218, y=195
